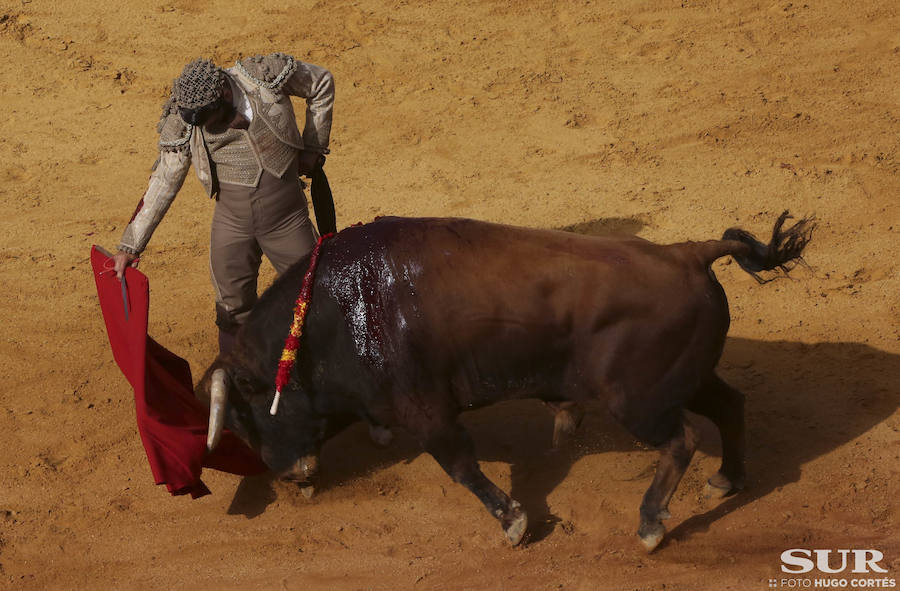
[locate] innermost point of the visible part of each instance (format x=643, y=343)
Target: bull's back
x=471, y=272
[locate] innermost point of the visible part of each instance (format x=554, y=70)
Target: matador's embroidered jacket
x=238, y=156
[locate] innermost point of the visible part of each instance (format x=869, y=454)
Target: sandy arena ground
x=669, y=119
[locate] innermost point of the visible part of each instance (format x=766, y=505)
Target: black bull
x=413, y=321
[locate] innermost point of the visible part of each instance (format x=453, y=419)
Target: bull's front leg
x=452, y=447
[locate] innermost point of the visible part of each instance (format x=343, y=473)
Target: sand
x=670, y=120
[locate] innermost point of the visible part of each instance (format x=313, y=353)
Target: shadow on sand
x=606, y=226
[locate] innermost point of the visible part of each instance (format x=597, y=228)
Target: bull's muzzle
x=309, y=466
x=303, y=472
x=218, y=400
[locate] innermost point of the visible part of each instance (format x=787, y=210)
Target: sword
x=124, y=296
x=122, y=281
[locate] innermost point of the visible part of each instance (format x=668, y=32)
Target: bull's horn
x=218, y=397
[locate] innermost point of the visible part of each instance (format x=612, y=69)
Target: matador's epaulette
x=269, y=71
x=174, y=133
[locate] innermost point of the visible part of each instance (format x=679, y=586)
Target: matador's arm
x=165, y=182
x=316, y=85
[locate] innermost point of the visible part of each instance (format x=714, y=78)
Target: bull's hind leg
x=675, y=455
x=724, y=406
x=452, y=447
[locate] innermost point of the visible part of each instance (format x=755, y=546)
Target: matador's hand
x=121, y=260
x=309, y=161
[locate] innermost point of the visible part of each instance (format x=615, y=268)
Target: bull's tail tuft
x=782, y=252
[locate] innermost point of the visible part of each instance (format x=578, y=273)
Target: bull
x=412, y=321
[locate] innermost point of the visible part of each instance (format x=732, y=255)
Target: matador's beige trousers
x=271, y=219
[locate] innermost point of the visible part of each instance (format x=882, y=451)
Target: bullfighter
x=237, y=127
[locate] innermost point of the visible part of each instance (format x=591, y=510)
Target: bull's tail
x=783, y=251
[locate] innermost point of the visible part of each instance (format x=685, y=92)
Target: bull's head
x=288, y=442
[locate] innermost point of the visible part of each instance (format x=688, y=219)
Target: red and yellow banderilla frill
x=292, y=342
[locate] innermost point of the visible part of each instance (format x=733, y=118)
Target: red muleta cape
x=171, y=421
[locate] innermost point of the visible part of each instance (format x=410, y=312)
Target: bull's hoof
x=651, y=541
x=720, y=486
x=515, y=522
x=308, y=491
x=651, y=535
x=716, y=492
